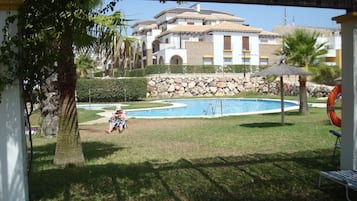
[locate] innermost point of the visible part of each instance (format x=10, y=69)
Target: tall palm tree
x=302, y=49
x=75, y=25
x=126, y=52
x=115, y=47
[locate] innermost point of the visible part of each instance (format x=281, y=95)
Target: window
x=264, y=61
x=246, y=61
x=227, y=42
x=245, y=43
x=207, y=61
x=227, y=60
x=263, y=40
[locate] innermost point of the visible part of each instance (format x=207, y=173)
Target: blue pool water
x=215, y=107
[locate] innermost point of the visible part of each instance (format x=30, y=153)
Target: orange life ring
x=335, y=120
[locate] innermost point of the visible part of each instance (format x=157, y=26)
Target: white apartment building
x=195, y=36
x=330, y=36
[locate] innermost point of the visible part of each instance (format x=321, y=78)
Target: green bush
x=182, y=69
x=139, y=72
x=111, y=90
x=207, y=69
x=325, y=74
x=177, y=69
x=99, y=74
x=239, y=68
x=156, y=69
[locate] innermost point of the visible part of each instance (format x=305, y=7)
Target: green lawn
x=248, y=157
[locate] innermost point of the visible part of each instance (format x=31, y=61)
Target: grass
x=248, y=157
x=83, y=116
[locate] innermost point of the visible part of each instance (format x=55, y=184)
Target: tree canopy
x=302, y=48
x=48, y=31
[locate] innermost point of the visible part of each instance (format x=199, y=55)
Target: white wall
x=236, y=45
x=218, y=42
x=348, y=157
x=13, y=168
x=167, y=54
x=185, y=21
x=13, y=171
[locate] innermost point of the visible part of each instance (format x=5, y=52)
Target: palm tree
x=84, y=64
x=301, y=49
x=49, y=30
x=126, y=52
x=115, y=47
x=75, y=25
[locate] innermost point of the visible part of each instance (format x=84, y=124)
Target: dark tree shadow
x=262, y=177
x=265, y=125
x=43, y=155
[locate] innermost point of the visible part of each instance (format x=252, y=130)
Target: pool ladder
x=213, y=108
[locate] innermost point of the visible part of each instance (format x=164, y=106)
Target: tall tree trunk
x=49, y=107
x=68, y=147
x=303, y=96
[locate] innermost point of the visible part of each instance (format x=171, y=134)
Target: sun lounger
x=338, y=140
x=348, y=178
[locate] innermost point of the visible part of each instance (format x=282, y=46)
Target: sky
x=258, y=16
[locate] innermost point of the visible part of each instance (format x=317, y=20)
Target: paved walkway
x=319, y=105
x=105, y=116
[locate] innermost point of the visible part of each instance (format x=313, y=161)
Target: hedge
x=182, y=69
x=111, y=90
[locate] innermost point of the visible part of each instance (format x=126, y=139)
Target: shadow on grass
x=43, y=155
x=286, y=113
x=280, y=176
x=265, y=125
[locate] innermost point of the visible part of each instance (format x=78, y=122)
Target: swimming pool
x=213, y=107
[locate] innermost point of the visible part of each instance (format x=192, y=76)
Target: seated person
x=117, y=121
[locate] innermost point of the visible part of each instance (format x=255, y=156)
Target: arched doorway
x=176, y=60
x=161, y=60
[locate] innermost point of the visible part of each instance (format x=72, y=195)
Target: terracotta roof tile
x=267, y=33
x=233, y=27
x=213, y=16
x=218, y=16
x=186, y=29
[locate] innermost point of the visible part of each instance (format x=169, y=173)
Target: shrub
x=111, y=90
x=177, y=69
x=325, y=74
x=241, y=68
x=99, y=74
x=207, y=69
x=139, y=72
x=156, y=69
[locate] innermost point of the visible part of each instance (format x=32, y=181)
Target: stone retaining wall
x=171, y=85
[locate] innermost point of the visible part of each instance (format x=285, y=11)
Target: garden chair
x=338, y=140
x=347, y=178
